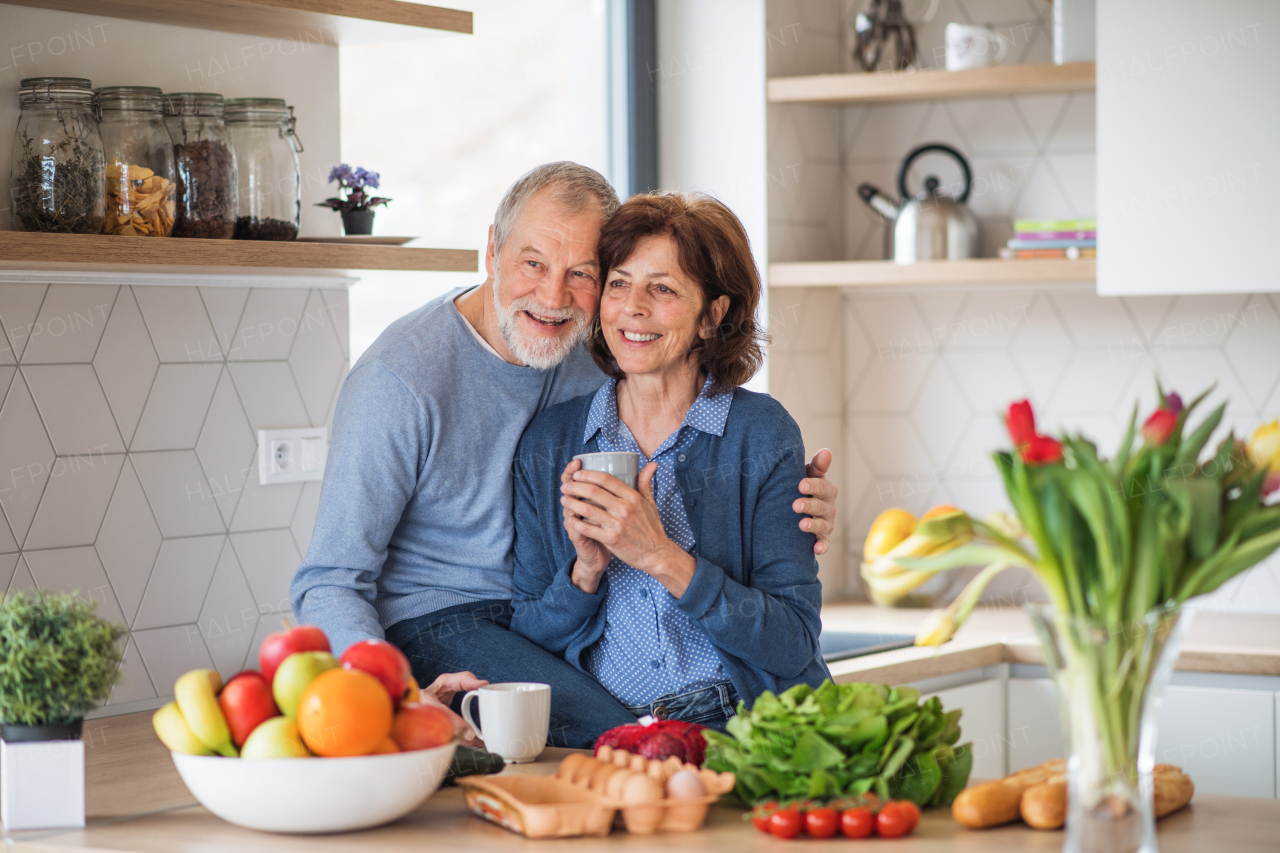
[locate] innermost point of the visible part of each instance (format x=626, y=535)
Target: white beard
x=539, y=353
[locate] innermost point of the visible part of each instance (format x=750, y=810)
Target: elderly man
x=413, y=539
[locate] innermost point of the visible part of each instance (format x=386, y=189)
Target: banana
x=174, y=732
x=196, y=694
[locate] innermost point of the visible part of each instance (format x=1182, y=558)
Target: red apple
x=384, y=662
x=421, y=726
x=278, y=646
x=246, y=701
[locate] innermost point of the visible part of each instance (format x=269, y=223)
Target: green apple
x=294, y=674
x=275, y=738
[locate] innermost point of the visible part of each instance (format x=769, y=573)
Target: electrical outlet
x=292, y=455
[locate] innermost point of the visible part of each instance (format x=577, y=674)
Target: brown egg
x=617, y=783
x=642, y=809
x=582, y=775
x=602, y=775
x=570, y=765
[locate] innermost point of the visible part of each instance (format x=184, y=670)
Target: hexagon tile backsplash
x=908, y=388
x=128, y=418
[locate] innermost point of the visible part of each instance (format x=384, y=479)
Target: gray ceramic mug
x=622, y=464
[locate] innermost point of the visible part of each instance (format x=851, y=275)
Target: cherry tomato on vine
x=785, y=823
x=857, y=823
x=822, y=822
x=760, y=815
x=892, y=821
x=912, y=811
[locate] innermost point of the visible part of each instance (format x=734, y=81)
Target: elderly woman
x=698, y=589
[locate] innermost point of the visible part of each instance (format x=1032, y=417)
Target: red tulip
x=1042, y=449
x=1159, y=426
x=1021, y=422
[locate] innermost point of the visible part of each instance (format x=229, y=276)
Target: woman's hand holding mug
x=625, y=522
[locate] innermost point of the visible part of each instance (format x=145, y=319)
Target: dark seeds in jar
x=206, y=189
x=253, y=228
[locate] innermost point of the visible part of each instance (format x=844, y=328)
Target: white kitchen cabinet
x=1035, y=728
x=1188, y=114
x=1224, y=739
x=982, y=723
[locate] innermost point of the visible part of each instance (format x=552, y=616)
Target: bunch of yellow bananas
x=194, y=723
x=896, y=535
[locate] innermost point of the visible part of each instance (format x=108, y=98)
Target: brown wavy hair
x=713, y=249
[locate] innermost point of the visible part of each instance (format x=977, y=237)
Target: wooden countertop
x=141, y=777
x=1234, y=643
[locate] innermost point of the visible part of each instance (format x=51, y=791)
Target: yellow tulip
x=1264, y=447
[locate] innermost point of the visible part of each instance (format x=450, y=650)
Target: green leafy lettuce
x=842, y=740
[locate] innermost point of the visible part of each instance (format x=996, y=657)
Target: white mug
x=973, y=46
x=517, y=718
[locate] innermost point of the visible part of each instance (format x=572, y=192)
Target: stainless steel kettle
x=928, y=226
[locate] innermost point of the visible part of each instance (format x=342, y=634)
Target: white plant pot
x=42, y=784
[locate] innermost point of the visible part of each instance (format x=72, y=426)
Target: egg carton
x=588, y=795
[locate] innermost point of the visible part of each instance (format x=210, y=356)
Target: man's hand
x=820, y=504
x=441, y=692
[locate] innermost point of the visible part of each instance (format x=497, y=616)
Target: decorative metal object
x=882, y=23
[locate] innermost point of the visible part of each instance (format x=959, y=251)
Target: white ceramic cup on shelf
x=517, y=718
x=973, y=46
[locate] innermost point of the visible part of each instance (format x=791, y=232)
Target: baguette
x=997, y=802
x=1044, y=806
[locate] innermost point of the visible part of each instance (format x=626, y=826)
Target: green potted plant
x=356, y=207
x=1120, y=545
x=58, y=660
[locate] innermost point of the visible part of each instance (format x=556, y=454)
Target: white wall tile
x=316, y=359
x=126, y=362
x=269, y=324
x=19, y=305
x=75, y=569
x=227, y=447
x=128, y=541
x=229, y=616
x=8, y=562
x=75, y=501
x=136, y=685
x=7, y=543
x=22, y=579
x=1251, y=349
x=180, y=497
x=265, y=507
x=176, y=407
x=69, y=324
x=178, y=324
x=225, y=306
x=169, y=652
x=73, y=408
x=269, y=394
x=335, y=303
x=25, y=455
x=179, y=581
x=269, y=559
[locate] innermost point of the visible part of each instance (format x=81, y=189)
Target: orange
x=386, y=747
x=940, y=509
x=344, y=712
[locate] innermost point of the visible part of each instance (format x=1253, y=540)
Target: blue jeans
x=475, y=637
x=711, y=706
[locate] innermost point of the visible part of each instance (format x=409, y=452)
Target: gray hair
x=574, y=188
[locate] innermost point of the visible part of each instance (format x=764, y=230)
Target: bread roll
x=997, y=802
x=1044, y=806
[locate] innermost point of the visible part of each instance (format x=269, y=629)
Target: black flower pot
x=13, y=733
x=356, y=222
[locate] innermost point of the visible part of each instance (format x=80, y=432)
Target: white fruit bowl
x=314, y=795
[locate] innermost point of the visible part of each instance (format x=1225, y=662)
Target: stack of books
x=1053, y=238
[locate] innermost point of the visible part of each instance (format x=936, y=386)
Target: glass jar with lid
x=57, y=167
x=140, y=188
x=269, y=201
x=206, y=165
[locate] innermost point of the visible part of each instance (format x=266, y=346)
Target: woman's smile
x=639, y=338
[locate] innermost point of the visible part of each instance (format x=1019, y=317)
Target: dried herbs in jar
x=58, y=164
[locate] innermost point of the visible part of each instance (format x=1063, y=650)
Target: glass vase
x=1110, y=682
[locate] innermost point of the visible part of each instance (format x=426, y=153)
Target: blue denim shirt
x=755, y=592
x=650, y=648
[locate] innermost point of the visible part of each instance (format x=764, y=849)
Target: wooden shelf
x=930, y=273
x=323, y=21
x=933, y=84
x=102, y=253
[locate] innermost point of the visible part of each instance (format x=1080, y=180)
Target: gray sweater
x=415, y=509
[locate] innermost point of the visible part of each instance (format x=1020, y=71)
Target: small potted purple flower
x=356, y=206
